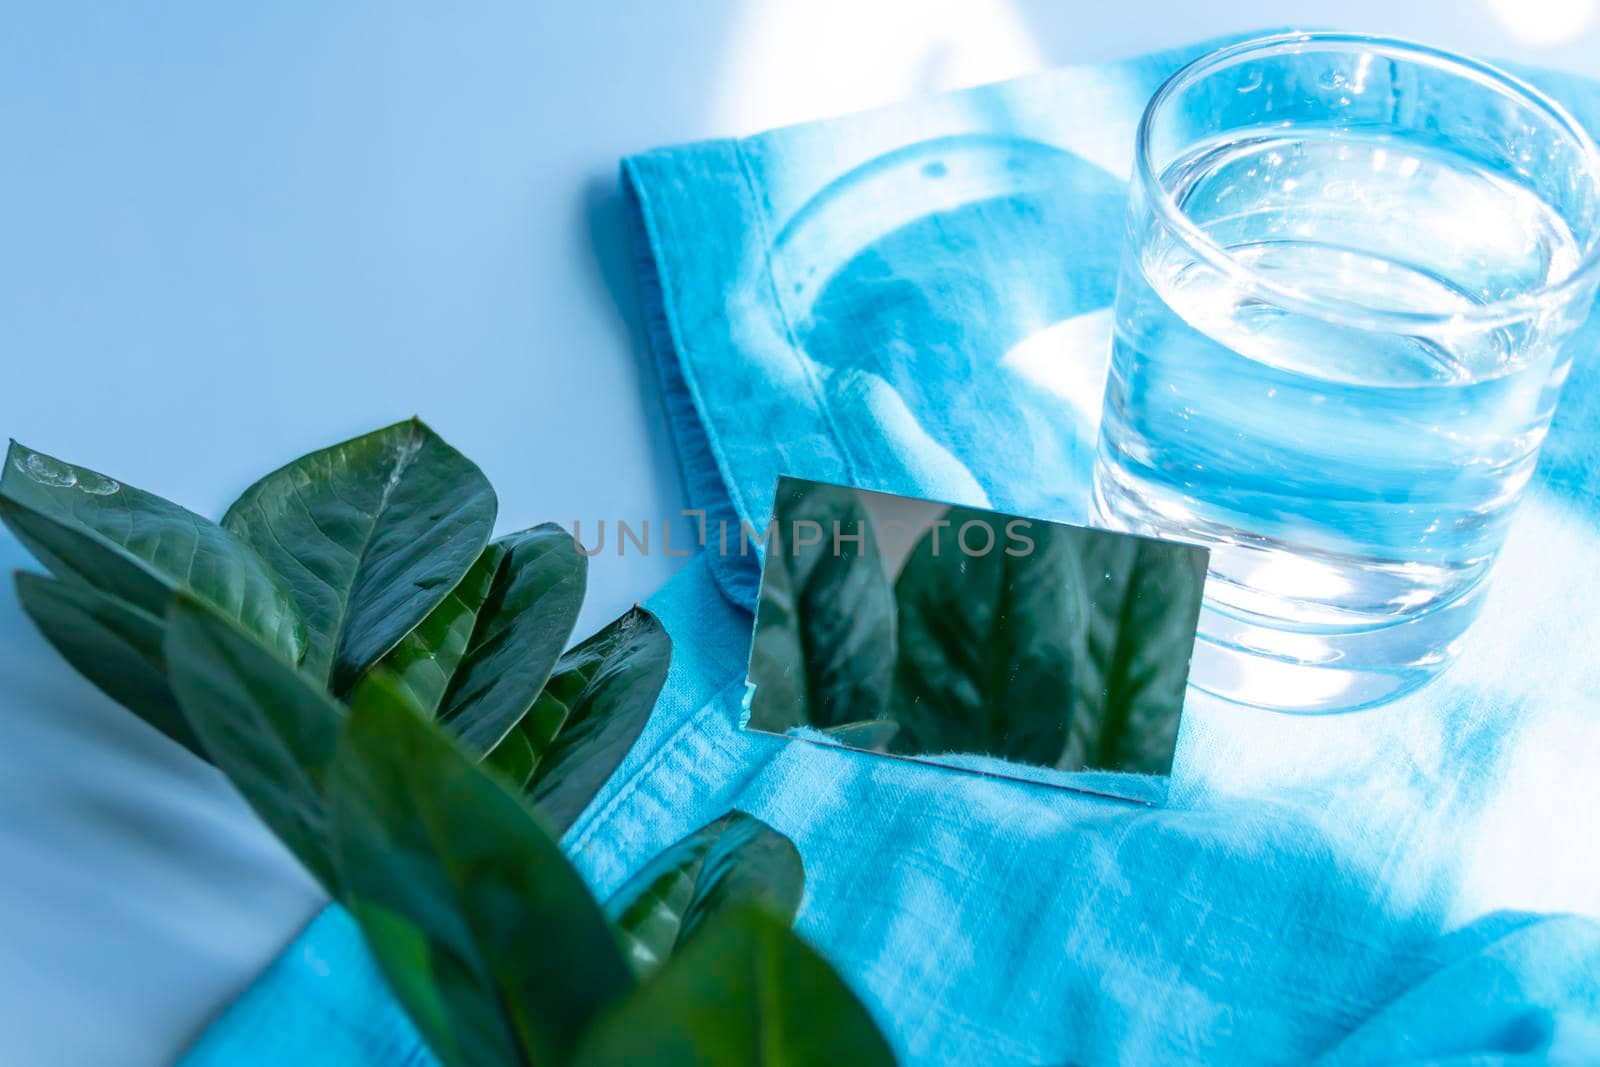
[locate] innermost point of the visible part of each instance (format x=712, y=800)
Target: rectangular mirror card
x=973, y=639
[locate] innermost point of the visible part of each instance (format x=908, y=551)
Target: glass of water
x=1352, y=270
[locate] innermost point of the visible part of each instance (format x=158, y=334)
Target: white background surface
x=228, y=236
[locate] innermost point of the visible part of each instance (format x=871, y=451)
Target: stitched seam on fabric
x=805, y=365
x=669, y=304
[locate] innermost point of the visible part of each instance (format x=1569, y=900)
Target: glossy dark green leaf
x=1072, y=652
x=734, y=861
x=486, y=933
x=369, y=536
x=520, y=752
x=526, y=618
x=824, y=644
x=137, y=548
x=869, y=735
x=1145, y=603
x=113, y=644
x=271, y=729
x=602, y=692
x=426, y=659
x=989, y=643
x=745, y=991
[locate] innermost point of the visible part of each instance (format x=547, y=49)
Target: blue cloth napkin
x=915, y=299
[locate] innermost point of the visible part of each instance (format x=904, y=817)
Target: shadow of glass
x=1005, y=238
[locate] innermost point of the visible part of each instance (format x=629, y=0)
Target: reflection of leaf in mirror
x=1023, y=640
x=1074, y=654
x=824, y=643
x=1140, y=635
x=988, y=642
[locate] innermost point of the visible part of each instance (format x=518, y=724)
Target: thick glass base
x=1251, y=661
x=1306, y=632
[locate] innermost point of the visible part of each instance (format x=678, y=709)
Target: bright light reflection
x=1545, y=22
x=792, y=62
x=1487, y=775
x=1532, y=845
x=1269, y=681
x=1068, y=360
x=1296, y=576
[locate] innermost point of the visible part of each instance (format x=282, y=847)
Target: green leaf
x=824, y=642
x=137, y=548
x=602, y=692
x=524, y=623
x=113, y=644
x=369, y=536
x=425, y=660
x=1073, y=654
x=989, y=644
x=271, y=729
x=1130, y=689
x=746, y=991
x=520, y=752
x=486, y=933
x=869, y=735
x=736, y=860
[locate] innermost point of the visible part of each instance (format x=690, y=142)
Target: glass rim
x=1499, y=312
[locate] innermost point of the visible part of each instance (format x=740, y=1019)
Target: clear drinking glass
x=1351, y=270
